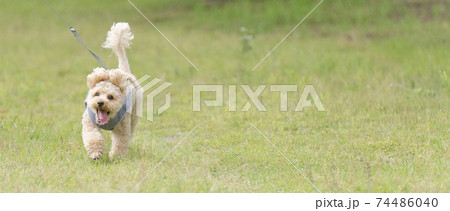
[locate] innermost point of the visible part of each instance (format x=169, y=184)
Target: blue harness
x=126, y=107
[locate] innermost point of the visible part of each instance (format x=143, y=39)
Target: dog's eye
x=97, y=94
x=110, y=97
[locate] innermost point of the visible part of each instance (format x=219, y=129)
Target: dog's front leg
x=121, y=137
x=92, y=138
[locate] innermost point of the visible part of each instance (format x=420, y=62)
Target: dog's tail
x=119, y=38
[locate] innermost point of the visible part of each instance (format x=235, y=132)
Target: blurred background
x=380, y=68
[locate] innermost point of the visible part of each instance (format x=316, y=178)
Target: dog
x=111, y=101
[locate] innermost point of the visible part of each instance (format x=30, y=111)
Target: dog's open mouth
x=102, y=116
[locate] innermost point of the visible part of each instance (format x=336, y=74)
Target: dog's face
x=105, y=99
x=107, y=91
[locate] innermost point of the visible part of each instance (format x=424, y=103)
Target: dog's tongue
x=102, y=116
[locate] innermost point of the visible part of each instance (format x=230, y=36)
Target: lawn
x=381, y=69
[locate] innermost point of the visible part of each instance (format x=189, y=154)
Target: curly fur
x=119, y=38
x=110, y=87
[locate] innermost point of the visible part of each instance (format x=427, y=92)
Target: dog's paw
x=95, y=155
x=116, y=154
x=112, y=155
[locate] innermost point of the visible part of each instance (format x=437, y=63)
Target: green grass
x=380, y=68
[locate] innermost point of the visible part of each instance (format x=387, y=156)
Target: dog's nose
x=100, y=103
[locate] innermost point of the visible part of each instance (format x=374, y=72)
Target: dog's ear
x=120, y=79
x=99, y=74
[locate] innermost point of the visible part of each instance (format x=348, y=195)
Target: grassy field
x=381, y=69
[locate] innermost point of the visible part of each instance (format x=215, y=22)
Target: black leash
x=75, y=34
